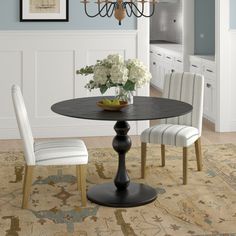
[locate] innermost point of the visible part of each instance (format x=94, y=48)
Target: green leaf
x=86, y=70
x=129, y=86
x=103, y=89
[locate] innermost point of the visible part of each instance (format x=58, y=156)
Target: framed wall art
x=44, y=10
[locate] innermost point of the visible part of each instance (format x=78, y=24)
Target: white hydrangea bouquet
x=114, y=71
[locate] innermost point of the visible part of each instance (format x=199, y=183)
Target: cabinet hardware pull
x=195, y=66
x=154, y=63
x=159, y=54
x=151, y=51
x=168, y=57
x=172, y=71
x=209, y=71
x=208, y=85
x=179, y=61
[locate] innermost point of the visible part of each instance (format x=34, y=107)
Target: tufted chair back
x=23, y=124
x=186, y=87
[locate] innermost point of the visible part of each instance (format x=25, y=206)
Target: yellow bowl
x=112, y=107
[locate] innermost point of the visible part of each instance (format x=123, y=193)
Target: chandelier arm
x=111, y=4
x=97, y=14
x=129, y=14
x=153, y=8
x=141, y=13
x=112, y=10
x=101, y=10
x=106, y=10
x=135, y=10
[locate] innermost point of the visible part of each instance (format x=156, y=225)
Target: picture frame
x=44, y=10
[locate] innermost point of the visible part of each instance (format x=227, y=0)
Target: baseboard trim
x=209, y=123
x=233, y=126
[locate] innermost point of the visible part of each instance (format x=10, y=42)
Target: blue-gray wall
x=233, y=14
x=9, y=19
x=205, y=26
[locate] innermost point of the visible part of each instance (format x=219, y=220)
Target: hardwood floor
x=209, y=136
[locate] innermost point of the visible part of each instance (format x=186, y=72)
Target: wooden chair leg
x=81, y=175
x=27, y=185
x=163, y=157
x=198, y=150
x=185, y=165
x=78, y=178
x=143, y=159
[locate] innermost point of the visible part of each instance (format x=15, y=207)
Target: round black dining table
x=122, y=192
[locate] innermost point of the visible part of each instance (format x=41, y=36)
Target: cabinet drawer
x=169, y=58
x=159, y=55
x=178, y=65
x=210, y=71
x=179, y=60
x=195, y=67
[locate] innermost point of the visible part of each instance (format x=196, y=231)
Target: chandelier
x=120, y=8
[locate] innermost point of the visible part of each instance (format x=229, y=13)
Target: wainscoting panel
x=44, y=64
x=10, y=73
x=233, y=81
x=54, y=80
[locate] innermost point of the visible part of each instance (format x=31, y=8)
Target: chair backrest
x=23, y=124
x=189, y=88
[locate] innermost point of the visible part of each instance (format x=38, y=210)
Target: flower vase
x=124, y=95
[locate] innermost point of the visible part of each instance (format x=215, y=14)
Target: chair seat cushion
x=168, y=134
x=61, y=152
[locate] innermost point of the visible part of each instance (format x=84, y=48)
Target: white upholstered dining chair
x=48, y=152
x=180, y=131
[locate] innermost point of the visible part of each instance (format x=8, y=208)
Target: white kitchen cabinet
x=179, y=64
x=207, y=68
x=196, y=66
x=153, y=68
x=209, y=100
x=163, y=61
x=156, y=69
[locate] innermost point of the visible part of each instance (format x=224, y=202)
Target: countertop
x=178, y=48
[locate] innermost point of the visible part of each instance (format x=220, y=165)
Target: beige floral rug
x=206, y=206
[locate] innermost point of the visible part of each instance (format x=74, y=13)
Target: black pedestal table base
x=135, y=195
x=122, y=193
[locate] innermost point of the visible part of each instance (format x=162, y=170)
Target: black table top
x=144, y=108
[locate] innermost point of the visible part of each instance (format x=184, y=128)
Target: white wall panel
x=233, y=80
x=10, y=73
x=44, y=64
x=54, y=80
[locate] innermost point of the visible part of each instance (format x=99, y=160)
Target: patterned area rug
x=206, y=206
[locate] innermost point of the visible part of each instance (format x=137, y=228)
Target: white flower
x=119, y=74
x=138, y=73
x=116, y=59
x=100, y=74
x=114, y=71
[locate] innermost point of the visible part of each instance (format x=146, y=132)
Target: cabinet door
x=209, y=99
x=167, y=68
x=153, y=71
x=210, y=91
x=156, y=71
x=196, y=67
x=178, y=64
